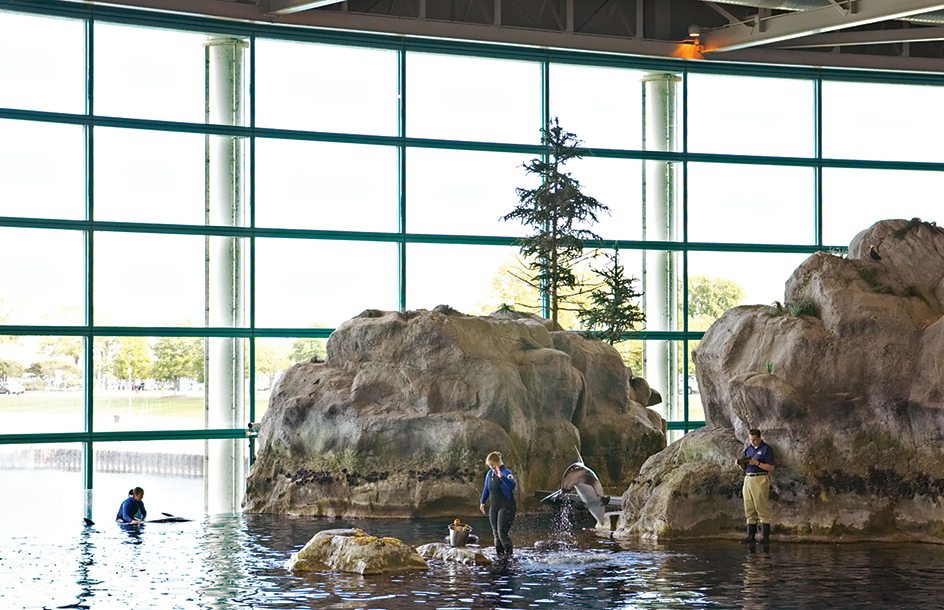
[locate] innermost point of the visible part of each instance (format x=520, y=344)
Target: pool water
x=239, y=562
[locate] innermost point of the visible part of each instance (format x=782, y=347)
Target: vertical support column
x=659, y=224
x=224, y=475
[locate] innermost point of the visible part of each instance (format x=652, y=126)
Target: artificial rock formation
x=351, y=550
x=399, y=418
x=467, y=555
x=846, y=382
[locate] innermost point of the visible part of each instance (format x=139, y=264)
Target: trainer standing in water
x=132, y=509
x=760, y=463
x=500, y=489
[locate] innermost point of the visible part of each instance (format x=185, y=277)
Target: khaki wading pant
x=755, y=491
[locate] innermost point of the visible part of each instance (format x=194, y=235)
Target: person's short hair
x=494, y=458
x=755, y=432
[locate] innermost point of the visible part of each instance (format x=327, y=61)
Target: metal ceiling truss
x=803, y=32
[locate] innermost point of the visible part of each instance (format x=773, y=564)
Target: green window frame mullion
x=401, y=172
x=88, y=453
x=818, y=154
x=252, y=243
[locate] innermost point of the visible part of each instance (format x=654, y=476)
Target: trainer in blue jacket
x=500, y=487
x=132, y=509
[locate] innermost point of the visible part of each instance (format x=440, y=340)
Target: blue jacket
x=507, y=484
x=130, y=510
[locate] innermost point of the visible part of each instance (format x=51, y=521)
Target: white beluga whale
x=580, y=479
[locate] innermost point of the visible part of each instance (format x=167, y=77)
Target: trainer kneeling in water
x=132, y=510
x=500, y=487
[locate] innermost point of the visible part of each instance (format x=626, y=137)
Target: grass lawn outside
x=107, y=404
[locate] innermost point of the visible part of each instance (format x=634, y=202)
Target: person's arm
x=142, y=510
x=765, y=466
x=508, y=481
x=485, y=493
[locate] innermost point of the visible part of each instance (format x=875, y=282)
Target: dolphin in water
x=584, y=482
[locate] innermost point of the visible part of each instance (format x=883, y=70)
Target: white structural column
x=224, y=398
x=659, y=224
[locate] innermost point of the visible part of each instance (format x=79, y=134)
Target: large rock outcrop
x=351, y=550
x=399, y=418
x=846, y=381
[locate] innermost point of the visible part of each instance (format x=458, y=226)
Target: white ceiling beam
x=287, y=7
x=844, y=39
x=794, y=25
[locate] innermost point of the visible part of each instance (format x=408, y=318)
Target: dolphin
x=584, y=482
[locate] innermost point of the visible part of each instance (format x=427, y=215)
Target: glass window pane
x=660, y=302
x=883, y=122
x=319, y=87
x=471, y=98
x=737, y=204
x=661, y=370
x=52, y=473
x=41, y=387
x=662, y=201
x=153, y=280
x=616, y=183
x=29, y=150
x=604, y=110
x=274, y=355
x=158, y=383
x=474, y=280
x=146, y=73
x=747, y=115
x=171, y=473
x=39, y=75
x=319, y=185
x=456, y=192
x=150, y=176
x=301, y=282
x=44, y=272
x=696, y=410
x=855, y=199
x=761, y=276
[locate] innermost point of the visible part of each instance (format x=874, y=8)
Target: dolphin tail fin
x=554, y=497
x=596, y=509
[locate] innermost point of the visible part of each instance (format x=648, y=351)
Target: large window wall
x=187, y=207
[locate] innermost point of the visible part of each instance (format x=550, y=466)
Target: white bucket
x=459, y=537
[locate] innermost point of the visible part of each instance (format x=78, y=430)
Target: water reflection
x=239, y=562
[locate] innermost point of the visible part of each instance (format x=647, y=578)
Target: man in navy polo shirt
x=756, y=488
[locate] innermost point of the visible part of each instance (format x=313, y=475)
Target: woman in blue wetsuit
x=500, y=489
x=132, y=509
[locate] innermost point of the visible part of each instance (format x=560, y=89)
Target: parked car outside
x=11, y=387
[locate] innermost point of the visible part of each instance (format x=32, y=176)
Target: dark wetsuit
x=130, y=510
x=502, y=507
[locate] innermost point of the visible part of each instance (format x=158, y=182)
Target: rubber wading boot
x=751, y=532
x=765, y=533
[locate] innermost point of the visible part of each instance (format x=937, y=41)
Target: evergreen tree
x=612, y=309
x=555, y=210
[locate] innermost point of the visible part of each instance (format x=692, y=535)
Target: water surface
x=239, y=562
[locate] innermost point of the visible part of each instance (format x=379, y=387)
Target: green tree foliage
x=708, y=298
x=131, y=359
x=10, y=368
x=306, y=348
x=104, y=348
x=176, y=358
x=555, y=210
x=68, y=347
x=272, y=358
x=612, y=309
x=46, y=371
